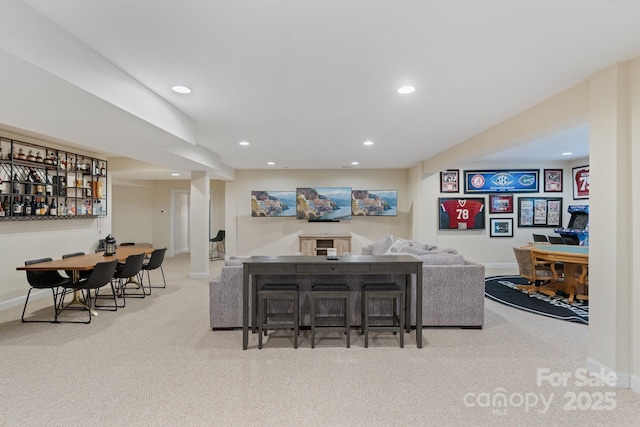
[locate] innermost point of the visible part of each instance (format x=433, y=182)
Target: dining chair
x=101, y=275
x=155, y=262
x=537, y=273
x=83, y=274
x=556, y=240
x=541, y=238
x=127, y=273
x=48, y=279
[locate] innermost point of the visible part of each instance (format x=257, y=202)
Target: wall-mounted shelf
x=38, y=182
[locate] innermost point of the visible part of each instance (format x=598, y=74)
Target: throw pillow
x=381, y=246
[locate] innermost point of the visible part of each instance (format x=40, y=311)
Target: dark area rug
x=503, y=290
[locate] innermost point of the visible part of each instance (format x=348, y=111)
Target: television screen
x=323, y=203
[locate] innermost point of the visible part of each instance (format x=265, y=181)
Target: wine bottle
x=17, y=208
x=53, y=209
x=27, y=207
x=6, y=205
x=49, y=186
x=16, y=184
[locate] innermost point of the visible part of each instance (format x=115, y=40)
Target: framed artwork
x=539, y=211
x=501, y=227
x=580, y=182
x=273, y=203
x=502, y=181
x=500, y=203
x=449, y=181
x=374, y=202
x=553, y=180
x=461, y=214
x=323, y=203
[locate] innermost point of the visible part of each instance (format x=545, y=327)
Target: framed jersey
x=461, y=214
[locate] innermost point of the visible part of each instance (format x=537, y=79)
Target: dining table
x=87, y=262
x=576, y=262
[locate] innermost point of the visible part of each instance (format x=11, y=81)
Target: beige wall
x=265, y=236
x=131, y=219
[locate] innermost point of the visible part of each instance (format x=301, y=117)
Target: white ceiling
x=307, y=82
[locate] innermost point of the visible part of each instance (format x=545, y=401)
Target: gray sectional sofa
x=453, y=288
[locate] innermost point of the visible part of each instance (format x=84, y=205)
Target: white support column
x=613, y=194
x=199, y=225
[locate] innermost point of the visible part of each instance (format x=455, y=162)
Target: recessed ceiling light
x=367, y=143
x=243, y=143
x=181, y=89
x=271, y=163
x=355, y=163
x=567, y=153
x=406, y=90
x=175, y=174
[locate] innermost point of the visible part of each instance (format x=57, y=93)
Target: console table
x=345, y=265
x=317, y=244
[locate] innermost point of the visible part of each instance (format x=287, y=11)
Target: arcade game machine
x=577, y=231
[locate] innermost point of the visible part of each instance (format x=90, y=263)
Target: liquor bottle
x=103, y=170
x=16, y=184
x=6, y=205
x=45, y=206
x=28, y=207
x=17, y=207
x=49, y=186
x=1, y=211
x=53, y=209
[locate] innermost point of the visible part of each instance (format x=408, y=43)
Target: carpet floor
x=157, y=363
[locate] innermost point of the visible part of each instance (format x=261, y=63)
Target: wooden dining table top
x=89, y=261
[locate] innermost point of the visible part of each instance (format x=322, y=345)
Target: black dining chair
x=540, y=238
x=218, y=240
x=127, y=273
x=82, y=274
x=155, y=262
x=49, y=279
x=101, y=275
x=556, y=240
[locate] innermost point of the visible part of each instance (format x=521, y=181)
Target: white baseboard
x=35, y=295
x=180, y=251
x=203, y=275
x=623, y=379
x=501, y=265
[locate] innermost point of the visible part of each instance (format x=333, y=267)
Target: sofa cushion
x=442, y=259
x=381, y=246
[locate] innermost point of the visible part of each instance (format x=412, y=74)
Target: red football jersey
x=462, y=211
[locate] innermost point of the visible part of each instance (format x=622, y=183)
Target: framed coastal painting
x=273, y=203
x=323, y=203
x=374, y=202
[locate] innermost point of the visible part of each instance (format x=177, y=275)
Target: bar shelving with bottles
x=39, y=182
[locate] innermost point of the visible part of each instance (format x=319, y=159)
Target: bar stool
x=330, y=291
x=383, y=291
x=281, y=292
